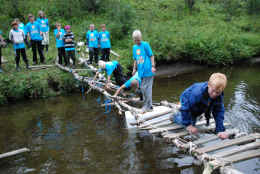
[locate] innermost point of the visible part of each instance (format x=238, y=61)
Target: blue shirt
x=22, y=26
x=59, y=41
x=110, y=67
x=104, y=39
x=44, y=24
x=142, y=54
x=128, y=83
x=20, y=45
x=34, y=30
x=93, y=37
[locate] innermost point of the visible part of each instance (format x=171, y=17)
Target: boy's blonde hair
x=43, y=14
x=91, y=24
x=102, y=64
x=102, y=25
x=137, y=34
x=134, y=84
x=218, y=80
x=30, y=15
x=57, y=23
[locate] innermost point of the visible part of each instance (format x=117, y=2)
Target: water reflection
x=72, y=134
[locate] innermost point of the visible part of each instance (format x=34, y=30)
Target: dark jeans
x=118, y=74
x=37, y=44
x=105, y=54
x=61, y=53
x=27, y=42
x=70, y=54
x=17, y=56
x=91, y=55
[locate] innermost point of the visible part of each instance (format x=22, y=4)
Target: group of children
x=205, y=97
x=94, y=41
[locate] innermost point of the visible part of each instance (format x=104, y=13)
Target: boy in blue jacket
x=204, y=97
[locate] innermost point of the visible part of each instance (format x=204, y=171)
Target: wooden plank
x=147, y=126
x=174, y=127
x=38, y=66
x=235, y=150
x=152, y=117
x=84, y=70
x=112, y=103
x=15, y=152
x=225, y=144
x=235, y=158
x=201, y=130
x=211, y=138
x=117, y=55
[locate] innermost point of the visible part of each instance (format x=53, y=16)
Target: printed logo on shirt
x=33, y=26
x=138, y=52
x=140, y=61
x=92, y=34
x=42, y=21
x=103, y=35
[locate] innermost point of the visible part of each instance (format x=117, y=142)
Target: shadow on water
x=72, y=134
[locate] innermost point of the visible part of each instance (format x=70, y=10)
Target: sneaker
x=171, y=118
x=1, y=70
x=34, y=63
x=43, y=62
x=28, y=67
x=47, y=52
x=17, y=69
x=150, y=109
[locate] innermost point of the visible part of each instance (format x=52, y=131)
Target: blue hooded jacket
x=194, y=102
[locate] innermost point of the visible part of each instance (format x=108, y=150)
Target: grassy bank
x=209, y=32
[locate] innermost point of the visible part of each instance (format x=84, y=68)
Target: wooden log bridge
x=211, y=152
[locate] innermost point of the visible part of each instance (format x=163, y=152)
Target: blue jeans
x=177, y=118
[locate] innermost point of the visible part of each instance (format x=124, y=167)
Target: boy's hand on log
x=222, y=135
x=192, y=129
x=133, y=72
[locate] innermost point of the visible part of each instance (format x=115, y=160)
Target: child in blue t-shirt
x=17, y=36
x=104, y=43
x=22, y=26
x=93, y=43
x=111, y=67
x=2, y=44
x=135, y=83
x=58, y=33
x=44, y=29
x=34, y=33
x=144, y=59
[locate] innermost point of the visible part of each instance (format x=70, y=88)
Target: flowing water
x=73, y=134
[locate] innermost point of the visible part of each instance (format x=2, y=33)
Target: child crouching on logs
x=134, y=83
x=111, y=67
x=204, y=97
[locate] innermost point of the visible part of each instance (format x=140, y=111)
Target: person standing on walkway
x=17, y=36
x=104, y=43
x=144, y=60
x=44, y=29
x=33, y=30
x=68, y=38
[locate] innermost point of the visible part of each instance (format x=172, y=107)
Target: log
x=84, y=70
x=235, y=158
x=211, y=138
x=147, y=126
x=235, y=150
x=14, y=152
x=112, y=103
x=227, y=143
x=39, y=66
x=174, y=127
x=35, y=69
x=201, y=130
x=151, y=117
x=117, y=55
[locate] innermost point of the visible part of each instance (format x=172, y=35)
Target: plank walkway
x=217, y=156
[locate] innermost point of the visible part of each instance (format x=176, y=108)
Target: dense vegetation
x=213, y=32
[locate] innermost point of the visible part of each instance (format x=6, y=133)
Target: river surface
x=74, y=134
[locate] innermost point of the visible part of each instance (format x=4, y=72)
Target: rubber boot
x=1, y=69
x=17, y=67
x=74, y=64
x=27, y=66
x=68, y=62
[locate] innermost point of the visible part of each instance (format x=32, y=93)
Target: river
x=74, y=134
